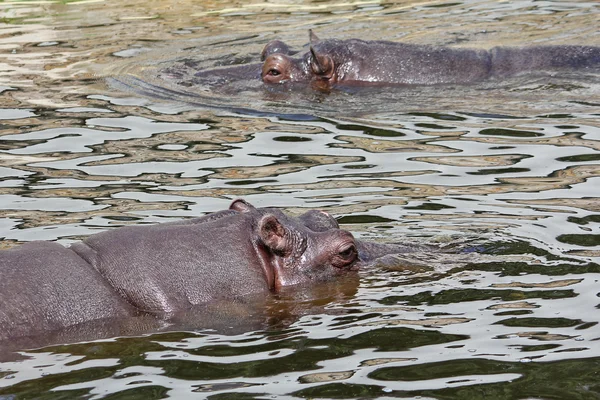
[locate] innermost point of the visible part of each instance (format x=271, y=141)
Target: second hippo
x=358, y=62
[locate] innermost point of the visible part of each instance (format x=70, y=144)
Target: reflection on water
x=507, y=171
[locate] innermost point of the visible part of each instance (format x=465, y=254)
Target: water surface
x=95, y=136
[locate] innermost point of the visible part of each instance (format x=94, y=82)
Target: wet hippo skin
x=358, y=62
x=166, y=268
x=45, y=286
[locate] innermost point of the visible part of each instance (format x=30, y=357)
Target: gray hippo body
x=45, y=286
x=167, y=268
x=358, y=62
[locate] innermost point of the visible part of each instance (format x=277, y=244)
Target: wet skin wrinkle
x=165, y=268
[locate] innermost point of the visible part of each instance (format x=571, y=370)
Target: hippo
x=353, y=62
x=359, y=62
x=167, y=268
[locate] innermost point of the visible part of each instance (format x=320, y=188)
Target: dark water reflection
x=506, y=172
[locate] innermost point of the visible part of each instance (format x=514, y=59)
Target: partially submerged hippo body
x=354, y=61
x=166, y=268
x=334, y=62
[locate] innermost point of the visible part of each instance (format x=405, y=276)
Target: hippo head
x=299, y=250
x=368, y=253
x=315, y=67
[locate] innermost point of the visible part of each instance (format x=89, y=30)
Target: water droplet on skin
x=579, y=339
x=525, y=360
x=387, y=390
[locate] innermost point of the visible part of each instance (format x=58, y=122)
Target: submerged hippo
x=333, y=62
x=354, y=61
x=165, y=268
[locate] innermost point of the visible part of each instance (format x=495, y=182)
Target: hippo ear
x=314, y=39
x=272, y=234
x=321, y=64
x=240, y=205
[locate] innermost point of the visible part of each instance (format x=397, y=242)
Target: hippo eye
x=347, y=253
x=274, y=72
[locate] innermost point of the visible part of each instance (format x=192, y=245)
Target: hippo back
x=171, y=267
x=45, y=286
x=403, y=63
